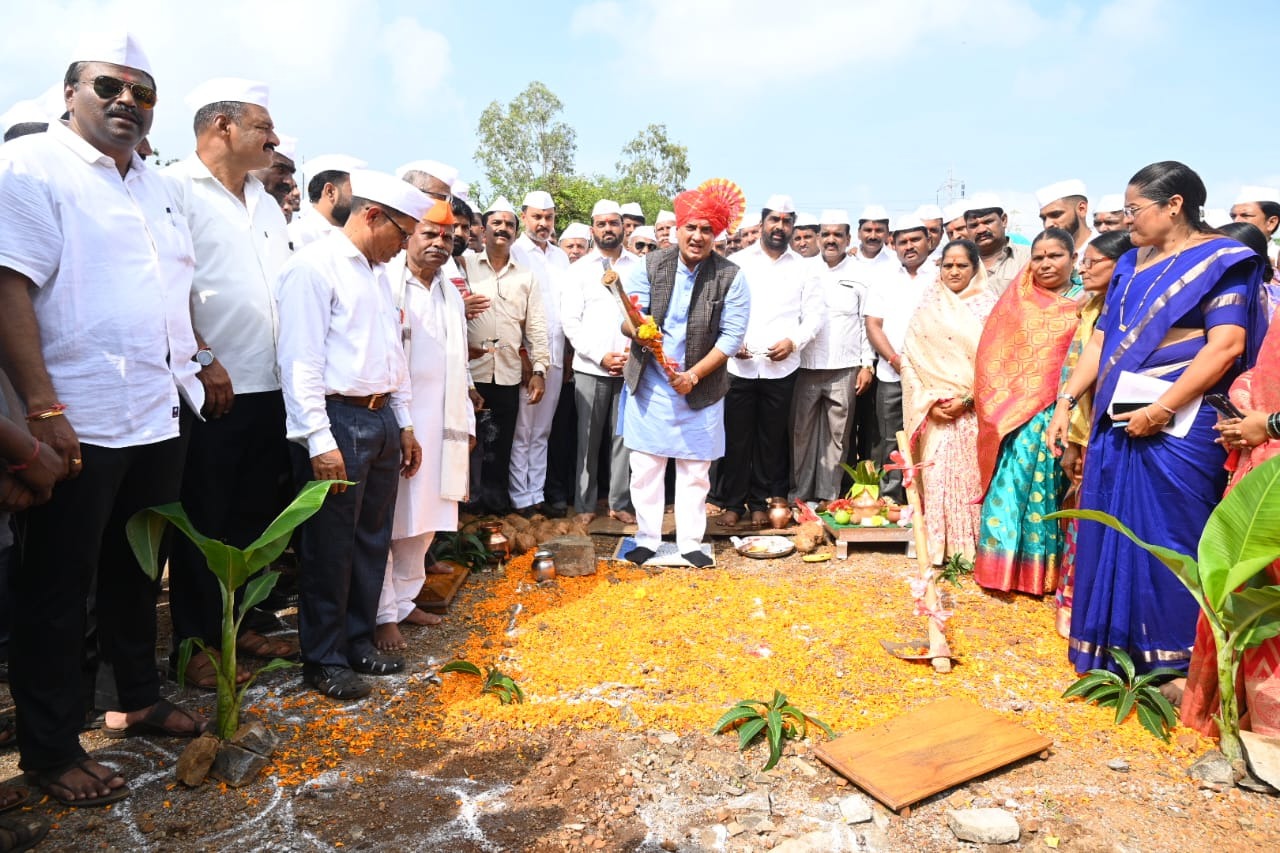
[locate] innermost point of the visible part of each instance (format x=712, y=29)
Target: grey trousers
x=889, y=417
x=821, y=423
x=597, y=399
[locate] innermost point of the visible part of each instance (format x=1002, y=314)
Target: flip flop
x=22, y=800
x=255, y=645
x=154, y=724
x=48, y=780
x=22, y=832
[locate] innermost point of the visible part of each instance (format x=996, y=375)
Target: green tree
x=575, y=195
x=653, y=159
x=525, y=143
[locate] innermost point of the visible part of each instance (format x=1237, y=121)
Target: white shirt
x=786, y=302
x=339, y=334
x=112, y=265
x=239, y=250
x=590, y=312
x=894, y=297
x=885, y=256
x=307, y=227
x=842, y=340
x=550, y=265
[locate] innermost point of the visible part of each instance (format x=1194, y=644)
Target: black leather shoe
x=336, y=682
x=374, y=662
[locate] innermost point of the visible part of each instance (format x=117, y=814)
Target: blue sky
x=836, y=103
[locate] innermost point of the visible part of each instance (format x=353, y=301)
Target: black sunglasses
x=647, y=246
x=106, y=87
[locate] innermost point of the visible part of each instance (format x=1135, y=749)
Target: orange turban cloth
x=441, y=213
x=718, y=201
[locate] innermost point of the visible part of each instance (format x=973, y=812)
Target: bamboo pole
x=938, y=648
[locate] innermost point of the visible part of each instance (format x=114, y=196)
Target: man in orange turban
x=700, y=302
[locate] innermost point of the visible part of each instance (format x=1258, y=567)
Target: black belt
x=373, y=402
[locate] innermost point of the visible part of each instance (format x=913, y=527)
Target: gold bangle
x=1171, y=412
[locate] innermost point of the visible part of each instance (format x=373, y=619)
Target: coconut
x=518, y=522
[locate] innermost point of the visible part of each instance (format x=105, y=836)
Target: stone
x=196, y=759
x=237, y=766
x=734, y=828
x=1264, y=756
x=1119, y=765
x=855, y=809
x=256, y=737
x=668, y=738
x=823, y=841
x=755, y=801
x=983, y=826
x=575, y=556
x=804, y=767
x=1212, y=768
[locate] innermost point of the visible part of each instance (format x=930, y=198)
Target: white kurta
x=419, y=506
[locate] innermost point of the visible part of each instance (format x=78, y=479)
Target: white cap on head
x=500, y=205
x=644, y=232
x=605, y=207
x=462, y=190
x=806, y=220
x=25, y=112
x=929, y=211
x=665, y=216
x=288, y=146
x=435, y=169
x=984, y=201
x=119, y=47
x=1109, y=203
x=1254, y=194
x=1062, y=189
x=390, y=191
x=750, y=219
x=722, y=237
x=954, y=211
x=575, y=231
x=332, y=163
x=834, y=216
x=1216, y=217
x=224, y=89
x=780, y=204
x=873, y=213
x=540, y=200
x=632, y=208
x=907, y=222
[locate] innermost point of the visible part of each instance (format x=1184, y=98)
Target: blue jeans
x=343, y=547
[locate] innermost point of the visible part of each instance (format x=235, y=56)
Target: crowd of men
x=196, y=333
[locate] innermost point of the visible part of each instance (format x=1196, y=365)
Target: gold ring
x=75, y=460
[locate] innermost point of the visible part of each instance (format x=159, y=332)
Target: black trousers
x=61, y=545
x=503, y=403
x=757, y=443
x=562, y=450
x=343, y=547
x=237, y=480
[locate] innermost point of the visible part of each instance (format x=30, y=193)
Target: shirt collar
x=84, y=150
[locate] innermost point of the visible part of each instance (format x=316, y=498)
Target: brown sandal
x=50, y=780
x=156, y=723
x=256, y=645
x=202, y=671
x=22, y=832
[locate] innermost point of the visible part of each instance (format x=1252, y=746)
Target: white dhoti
x=406, y=572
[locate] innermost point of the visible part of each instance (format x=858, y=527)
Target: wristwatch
x=203, y=357
x=541, y=373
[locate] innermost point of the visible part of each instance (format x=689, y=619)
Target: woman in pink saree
x=937, y=398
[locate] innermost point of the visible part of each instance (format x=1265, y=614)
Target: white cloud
x=420, y=61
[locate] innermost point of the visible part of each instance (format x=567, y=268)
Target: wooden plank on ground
x=939, y=746
x=439, y=591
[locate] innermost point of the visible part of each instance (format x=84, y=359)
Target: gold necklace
x=1124, y=327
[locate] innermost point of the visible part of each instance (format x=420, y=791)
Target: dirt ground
x=401, y=772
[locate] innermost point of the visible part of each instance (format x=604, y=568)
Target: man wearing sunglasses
x=238, y=456
x=346, y=396
x=95, y=326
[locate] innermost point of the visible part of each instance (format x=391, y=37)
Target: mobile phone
x=1224, y=405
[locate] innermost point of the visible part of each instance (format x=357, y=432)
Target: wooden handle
x=937, y=640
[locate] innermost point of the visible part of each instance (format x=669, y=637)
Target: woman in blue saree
x=1183, y=308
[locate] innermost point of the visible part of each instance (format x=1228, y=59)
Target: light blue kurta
x=657, y=420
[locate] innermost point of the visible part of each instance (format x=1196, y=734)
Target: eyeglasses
x=404, y=235
x=1090, y=263
x=110, y=87
x=644, y=247
x=1131, y=211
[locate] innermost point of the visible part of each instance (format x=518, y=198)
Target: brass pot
x=497, y=543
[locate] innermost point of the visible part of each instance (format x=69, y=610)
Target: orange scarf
x=1019, y=365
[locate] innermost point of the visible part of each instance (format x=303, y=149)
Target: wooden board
x=843, y=536
x=438, y=591
x=934, y=748
x=603, y=525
